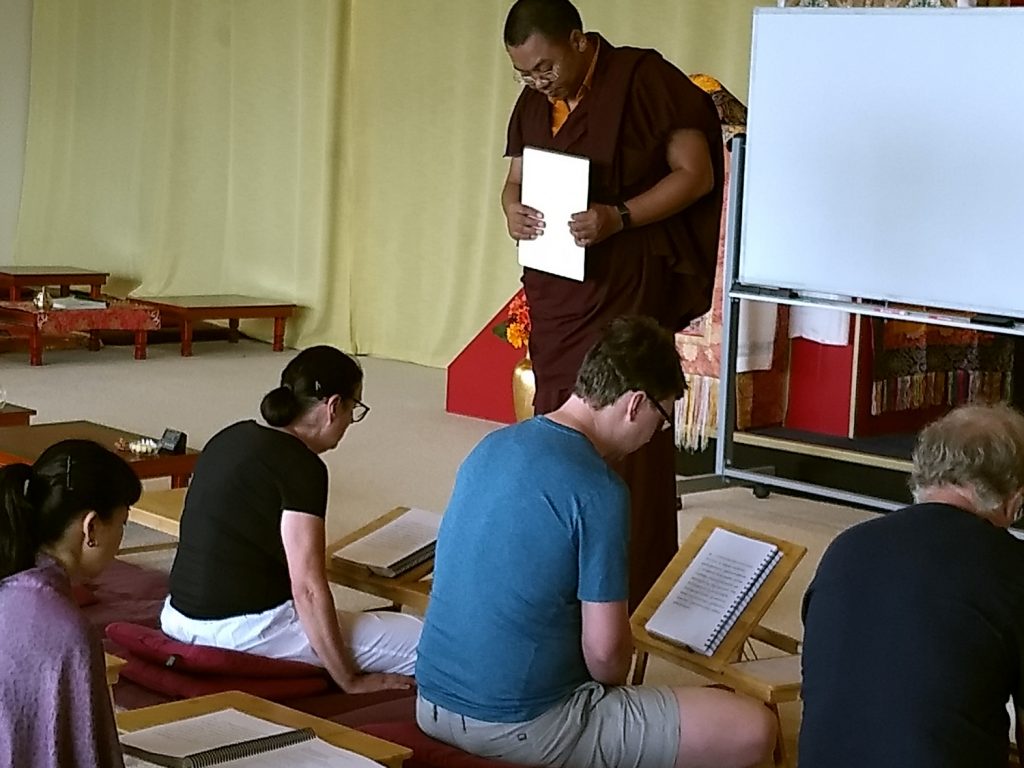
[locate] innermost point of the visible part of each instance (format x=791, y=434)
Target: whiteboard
x=884, y=157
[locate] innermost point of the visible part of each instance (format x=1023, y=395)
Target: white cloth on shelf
x=825, y=326
x=756, y=343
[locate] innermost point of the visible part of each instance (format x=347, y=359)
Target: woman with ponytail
x=61, y=519
x=250, y=571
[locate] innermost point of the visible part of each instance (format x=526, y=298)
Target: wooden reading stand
x=774, y=680
x=411, y=588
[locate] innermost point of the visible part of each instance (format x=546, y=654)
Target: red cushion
x=156, y=647
x=83, y=595
x=428, y=752
x=171, y=681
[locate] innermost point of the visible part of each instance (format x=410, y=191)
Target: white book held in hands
x=557, y=185
x=713, y=591
x=397, y=546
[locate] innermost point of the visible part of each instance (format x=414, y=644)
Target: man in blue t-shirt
x=526, y=644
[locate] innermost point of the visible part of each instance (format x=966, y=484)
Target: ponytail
x=18, y=536
x=38, y=503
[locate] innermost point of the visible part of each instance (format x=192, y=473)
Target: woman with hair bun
x=61, y=519
x=250, y=571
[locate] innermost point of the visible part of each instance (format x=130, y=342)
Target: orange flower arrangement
x=516, y=328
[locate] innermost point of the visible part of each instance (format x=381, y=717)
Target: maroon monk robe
x=55, y=710
x=665, y=270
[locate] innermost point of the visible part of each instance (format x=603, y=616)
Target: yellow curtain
x=342, y=154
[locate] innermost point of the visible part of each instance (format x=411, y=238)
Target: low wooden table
x=378, y=750
x=231, y=307
x=14, y=278
x=159, y=510
x=26, y=443
x=22, y=318
x=114, y=665
x=411, y=589
x=12, y=415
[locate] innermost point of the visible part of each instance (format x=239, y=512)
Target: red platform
x=480, y=376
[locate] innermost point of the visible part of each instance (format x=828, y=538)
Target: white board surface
x=884, y=158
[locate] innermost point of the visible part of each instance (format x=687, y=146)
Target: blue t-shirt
x=537, y=523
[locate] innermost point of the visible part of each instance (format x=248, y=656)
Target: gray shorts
x=604, y=726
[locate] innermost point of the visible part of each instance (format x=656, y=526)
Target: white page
x=710, y=587
x=408, y=533
x=195, y=734
x=70, y=302
x=229, y=726
x=558, y=186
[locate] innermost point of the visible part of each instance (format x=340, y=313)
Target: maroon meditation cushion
x=428, y=752
x=175, y=683
x=184, y=670
x=154, y=646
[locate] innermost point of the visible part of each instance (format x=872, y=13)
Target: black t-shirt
x=230, y=558
x=913, y=643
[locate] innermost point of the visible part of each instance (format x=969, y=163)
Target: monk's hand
x=524, y=222
x=595, y=224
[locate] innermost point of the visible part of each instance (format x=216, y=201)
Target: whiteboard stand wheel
x=761, y=491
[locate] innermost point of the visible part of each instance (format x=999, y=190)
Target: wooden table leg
x=141, y=338
x=639, y=668
x=233, y=330
x=279, y=333
x=186, y=337
x=13, y=293
x=179, y=481
x=35, y=347
x=64, y=290
x=94, y=341
x=779, y=755
x=94, y=291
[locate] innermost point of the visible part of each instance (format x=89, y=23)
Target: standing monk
x=651, y=230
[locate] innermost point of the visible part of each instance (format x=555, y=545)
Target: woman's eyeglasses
x=359, y=410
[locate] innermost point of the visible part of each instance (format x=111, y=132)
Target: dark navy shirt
x=913, y=643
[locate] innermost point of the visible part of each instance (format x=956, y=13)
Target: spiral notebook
x=712, y=592
x=232, y=738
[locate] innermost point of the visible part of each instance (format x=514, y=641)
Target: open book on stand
x=717, y=585
x=235, y=738
x=397, y=546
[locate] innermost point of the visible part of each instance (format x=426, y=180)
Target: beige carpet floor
x=405, y=453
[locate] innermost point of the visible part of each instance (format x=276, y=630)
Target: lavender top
x=54, y=708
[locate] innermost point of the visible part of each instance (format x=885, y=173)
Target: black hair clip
x=67, y=474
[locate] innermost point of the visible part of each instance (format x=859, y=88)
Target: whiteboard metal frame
x=724, y=444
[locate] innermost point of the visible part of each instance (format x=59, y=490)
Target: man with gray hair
x=914, y=622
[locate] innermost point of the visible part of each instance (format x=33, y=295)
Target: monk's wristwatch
x=624, y=215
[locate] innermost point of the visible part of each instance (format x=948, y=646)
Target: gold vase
x=524, y=386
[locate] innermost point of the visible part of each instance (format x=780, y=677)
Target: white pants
x=379, y=641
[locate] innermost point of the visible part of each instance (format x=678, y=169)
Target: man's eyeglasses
x=669, y=421
x=536, y=79
x=359, y=410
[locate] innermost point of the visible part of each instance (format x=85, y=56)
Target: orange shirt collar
x=560, y=107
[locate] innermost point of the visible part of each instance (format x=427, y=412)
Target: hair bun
x=280, y=406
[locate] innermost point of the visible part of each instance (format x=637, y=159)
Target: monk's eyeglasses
x=535, y=79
